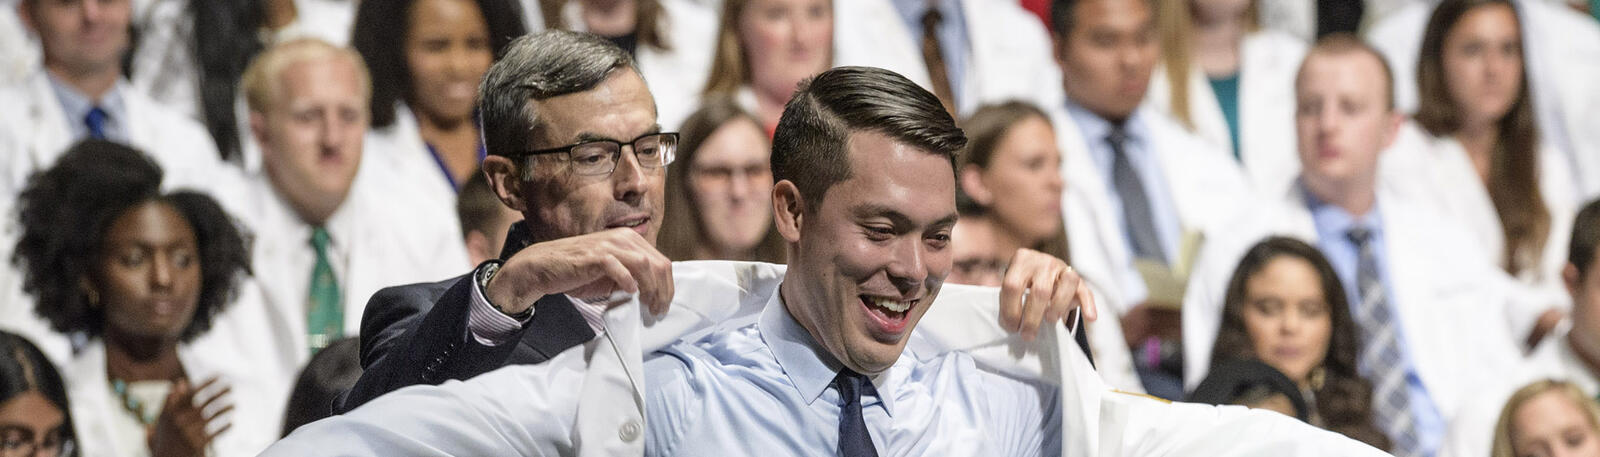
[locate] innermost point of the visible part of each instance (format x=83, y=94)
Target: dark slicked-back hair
x=1064, y=15
x=537, y=67
x=810, y=146
x=66, y=211
x=1585, y=237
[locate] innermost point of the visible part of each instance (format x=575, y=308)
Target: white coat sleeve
x=525, y=410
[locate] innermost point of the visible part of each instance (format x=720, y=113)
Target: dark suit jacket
x=417, y=334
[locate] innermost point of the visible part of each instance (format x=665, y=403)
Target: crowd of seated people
x=1379, y=217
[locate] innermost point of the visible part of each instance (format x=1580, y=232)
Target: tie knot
x=932, y=18
x=95, y=121
x=1359, y=235
x=1118, y=137
x=850, y=384
x=319, y=239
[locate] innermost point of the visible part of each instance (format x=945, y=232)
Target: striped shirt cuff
x=487, y=324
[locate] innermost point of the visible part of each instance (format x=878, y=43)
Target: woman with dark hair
x=764, y=48
x=34, y=417
x=140, y=275
x=1484, y=164
x=670, y=39
x=719, y=196
x=426, y=58
x=1286, y=307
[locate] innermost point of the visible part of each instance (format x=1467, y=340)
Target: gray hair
x=536, y=67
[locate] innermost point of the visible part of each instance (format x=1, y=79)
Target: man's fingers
x=1062, y=300
x=1041, y=288
x=666, y=288
x=619, y=274
x=1011, y=289
x=1086, y=302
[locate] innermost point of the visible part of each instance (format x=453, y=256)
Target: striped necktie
x=325, y=321
x=1381, y=361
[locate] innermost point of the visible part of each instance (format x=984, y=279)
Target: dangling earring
x=1318, y=376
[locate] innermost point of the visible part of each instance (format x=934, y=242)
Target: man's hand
x=1053, y=289
x=584, y=266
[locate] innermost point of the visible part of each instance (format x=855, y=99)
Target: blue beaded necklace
x=132, y=406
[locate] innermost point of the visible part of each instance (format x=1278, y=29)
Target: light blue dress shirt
x=1332, y=224
x=1142, y=155
x=953, y=43
x=766, y=389
x=75, y=105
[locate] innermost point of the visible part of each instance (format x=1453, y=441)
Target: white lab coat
x=1440, y=175
x=1268, y=63
x=675, y=76
x=1206, y=186
x=535, y=409
x=378, y=241
x=1561, y=58
x=398, y=154
x=1448, y=300
x=35, y=133
x=19, y=51
x=258, y=404
x=1472, y=434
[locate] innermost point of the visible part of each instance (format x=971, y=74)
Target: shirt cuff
x=485, y=322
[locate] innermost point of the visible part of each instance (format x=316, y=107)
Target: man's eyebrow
x=592, y=136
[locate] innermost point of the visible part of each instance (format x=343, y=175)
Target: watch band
x=487, y=273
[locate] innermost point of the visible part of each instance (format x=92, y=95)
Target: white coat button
x=629, y=431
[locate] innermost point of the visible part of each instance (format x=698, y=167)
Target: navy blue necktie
x=96, y=122
x=853, y=438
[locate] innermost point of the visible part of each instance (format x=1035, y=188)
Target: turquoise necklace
x=131, y=405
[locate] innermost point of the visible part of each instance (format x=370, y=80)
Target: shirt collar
x=811, y=368
x=1095, y=128
x=1333, y=220
x=76, y=104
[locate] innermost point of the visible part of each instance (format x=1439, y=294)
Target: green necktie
x=325, y=323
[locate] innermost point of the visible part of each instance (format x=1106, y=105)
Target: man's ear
x=506, y=181
x=1391, y=131
x=787, y=209
x=971, y=181
x=258, y=130
x=25, y=13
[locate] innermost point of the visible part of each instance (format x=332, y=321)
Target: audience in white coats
x=1231, y=81
x=1427, y=308
x=325, y=219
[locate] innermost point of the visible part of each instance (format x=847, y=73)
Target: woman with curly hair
x=138, y=275
x=1286, y=307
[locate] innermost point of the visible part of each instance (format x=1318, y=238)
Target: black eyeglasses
x=600, y=157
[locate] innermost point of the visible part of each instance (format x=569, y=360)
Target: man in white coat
x=328, y=231
x=814, y=361
x=1142, y=187
x=1427, y=308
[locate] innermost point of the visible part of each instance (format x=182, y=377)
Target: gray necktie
x=1381, y=362
x=1135, y=204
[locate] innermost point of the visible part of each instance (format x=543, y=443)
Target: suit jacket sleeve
x=417, y=334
